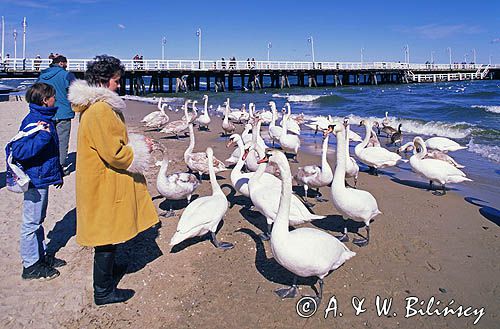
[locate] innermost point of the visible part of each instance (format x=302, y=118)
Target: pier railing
x=80, y=65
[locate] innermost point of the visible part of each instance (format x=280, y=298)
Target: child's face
x=49, y=102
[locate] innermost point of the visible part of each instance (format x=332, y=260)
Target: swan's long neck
x=186, y=111
x=339, y=176
x=236, y=172
x=423, y=150
x=213, y=179
x=226, y=112
x=205, y=109
x=273, y=118
x=284, y=125
x=162, y=175
x=405, y=146
x=246, y=131
x=282, y=217
x=289, y=109
x=261, y=168
x=347, y=130
x=368, y=133
x=324, y=162
x=190, y=148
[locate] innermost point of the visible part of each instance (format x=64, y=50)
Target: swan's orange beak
x=263, y=160
x=230, y=143
x=245, y=154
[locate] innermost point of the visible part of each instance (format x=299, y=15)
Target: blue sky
x=84, y=28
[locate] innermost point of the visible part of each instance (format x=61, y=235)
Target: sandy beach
x=422, y=246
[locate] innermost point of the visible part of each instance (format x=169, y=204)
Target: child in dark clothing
x=38, y=153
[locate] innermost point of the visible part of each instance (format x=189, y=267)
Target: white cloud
x=121, y=26
x=496, y=40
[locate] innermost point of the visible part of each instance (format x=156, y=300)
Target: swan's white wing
x=201, y=212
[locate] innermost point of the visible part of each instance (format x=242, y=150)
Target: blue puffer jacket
x=60, y=79
x=39, y=153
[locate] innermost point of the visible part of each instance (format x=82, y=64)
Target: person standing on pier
x=37, y=62
x=57, y=76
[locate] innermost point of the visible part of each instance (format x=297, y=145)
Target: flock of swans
x=267, y=180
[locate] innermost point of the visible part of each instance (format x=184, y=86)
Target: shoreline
x=422, y=245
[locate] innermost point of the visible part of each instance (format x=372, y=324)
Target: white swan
x=251, y=114
x=193, y=113
x=355, y=204
x=177, y=126
x=316, y=176
x=374, y=157
x=198, y=162
x=150, y=116
x=204, y=214
x=246, y=137
x=386, y=121
x=227, y=126
x=322, y=123
x=159, y=120
x=289, y=143
x=176, y=186
x=265, y=198
x=434, y=170
x=431, y=154
x=237, y=115
x=304, y=251
x=292, y=125
x=252, y=157
x=274, y=131
x=204, y=119
x=240, y=180
x=373, y=141
x=443, y=144
x=265, y=115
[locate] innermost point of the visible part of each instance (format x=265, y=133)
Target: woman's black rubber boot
x=105, y=291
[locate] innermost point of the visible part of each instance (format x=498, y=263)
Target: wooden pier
x=172, y=76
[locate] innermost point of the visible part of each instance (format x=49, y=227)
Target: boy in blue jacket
x=38, y=154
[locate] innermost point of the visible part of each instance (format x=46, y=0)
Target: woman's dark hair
x=38, y=92
x=102, y=69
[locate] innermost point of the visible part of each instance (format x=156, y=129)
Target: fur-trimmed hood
x=82, y=96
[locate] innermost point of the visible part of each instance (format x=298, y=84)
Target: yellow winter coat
x=112, y=201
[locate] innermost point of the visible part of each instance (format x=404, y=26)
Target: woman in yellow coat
x=112, y=201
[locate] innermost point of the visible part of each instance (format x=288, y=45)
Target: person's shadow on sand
x=136, y=253
x=64, y=230
x=3, y=176
x=490, y=213
x=270, y=269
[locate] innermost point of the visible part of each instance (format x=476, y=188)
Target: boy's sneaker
x=39, y=271
x=52, y=261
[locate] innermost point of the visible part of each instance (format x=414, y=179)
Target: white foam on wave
x=431, y=128
x=298, y=98
x=490, y=152
x=492, y=108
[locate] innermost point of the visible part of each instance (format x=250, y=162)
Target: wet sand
x=422, y=245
